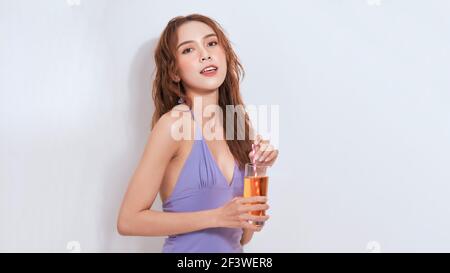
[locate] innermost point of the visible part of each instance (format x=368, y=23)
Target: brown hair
x=166, y=91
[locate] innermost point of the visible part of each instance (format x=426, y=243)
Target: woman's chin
x=209, y=86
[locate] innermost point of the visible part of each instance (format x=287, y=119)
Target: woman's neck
x=201, y=100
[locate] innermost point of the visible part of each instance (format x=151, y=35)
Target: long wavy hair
x=166, y=92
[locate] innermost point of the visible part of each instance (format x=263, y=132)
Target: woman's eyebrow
x=190, y=41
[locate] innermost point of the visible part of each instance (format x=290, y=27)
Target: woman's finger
x=252, y=199
x=257, y=207
x=267, y=152
x=256, y=218
x=263, y=152
x=257, y=140
x=271, y=158
x=250, y=226
x=259, y=152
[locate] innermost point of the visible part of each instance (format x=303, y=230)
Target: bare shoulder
x=171, y=117
x=181, y=107
x=167, y=129
x=164, y=126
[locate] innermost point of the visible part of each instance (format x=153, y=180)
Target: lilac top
x=202, y=186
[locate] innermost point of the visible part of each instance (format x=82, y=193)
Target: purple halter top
x=201, y=185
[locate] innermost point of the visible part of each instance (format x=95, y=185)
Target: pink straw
x=254, y=161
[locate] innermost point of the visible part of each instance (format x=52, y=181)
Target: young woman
x=200, y=180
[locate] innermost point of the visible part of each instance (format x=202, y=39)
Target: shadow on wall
x=138, y=125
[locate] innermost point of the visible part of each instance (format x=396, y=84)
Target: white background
x=363, y=89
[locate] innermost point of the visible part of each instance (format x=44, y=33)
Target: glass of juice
x=256, y=184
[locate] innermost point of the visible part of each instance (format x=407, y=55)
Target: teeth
x=209, y=69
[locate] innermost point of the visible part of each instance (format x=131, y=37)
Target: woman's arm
x=156, y=223
x=135, y=217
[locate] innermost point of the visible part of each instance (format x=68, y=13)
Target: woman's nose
x=204, y=55
x=206, y=58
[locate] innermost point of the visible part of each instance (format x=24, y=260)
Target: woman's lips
x=210, y=73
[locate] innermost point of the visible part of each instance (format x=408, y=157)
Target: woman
x=200, y=180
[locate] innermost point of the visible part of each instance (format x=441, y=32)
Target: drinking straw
x=253, y=160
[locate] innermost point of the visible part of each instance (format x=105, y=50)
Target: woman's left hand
x=264, y=152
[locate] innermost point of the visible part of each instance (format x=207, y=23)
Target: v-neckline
x=229, y=184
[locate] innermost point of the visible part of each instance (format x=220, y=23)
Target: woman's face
x=197, y=49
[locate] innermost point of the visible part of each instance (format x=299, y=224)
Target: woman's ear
x=175, y=78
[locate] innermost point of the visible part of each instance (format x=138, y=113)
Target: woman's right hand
x=236, y=213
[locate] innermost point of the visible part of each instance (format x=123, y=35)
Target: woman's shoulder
x=171, y=117
x=180, y=108
x=171, y=122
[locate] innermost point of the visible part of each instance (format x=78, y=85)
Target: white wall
x=362, y=86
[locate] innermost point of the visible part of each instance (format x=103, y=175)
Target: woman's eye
x=187, y=50
x=212, y=43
